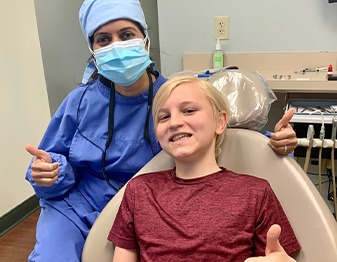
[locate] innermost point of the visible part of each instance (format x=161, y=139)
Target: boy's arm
x=125, y=255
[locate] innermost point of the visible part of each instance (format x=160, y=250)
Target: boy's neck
x=186, y=170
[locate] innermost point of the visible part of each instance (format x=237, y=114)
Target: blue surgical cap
x=95, y=13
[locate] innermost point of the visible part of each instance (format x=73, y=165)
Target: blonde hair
x=213, y=95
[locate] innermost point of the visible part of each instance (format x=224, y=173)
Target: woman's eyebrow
x=100, y=34
x=126, y=29
x=129, y=28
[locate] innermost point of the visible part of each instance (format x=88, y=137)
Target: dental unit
x=310, y=142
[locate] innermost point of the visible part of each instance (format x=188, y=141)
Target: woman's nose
x=116, y=39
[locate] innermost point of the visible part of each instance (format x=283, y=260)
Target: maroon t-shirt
x=220, y=217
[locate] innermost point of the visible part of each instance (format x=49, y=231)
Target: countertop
x=310, y=82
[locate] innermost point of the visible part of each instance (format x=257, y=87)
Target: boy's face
x=186, y=126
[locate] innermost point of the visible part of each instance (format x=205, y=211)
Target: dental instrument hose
x=321, y=137
x=310, y=137
x=333, y=173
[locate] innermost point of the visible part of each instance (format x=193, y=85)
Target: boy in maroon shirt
x=197, y=211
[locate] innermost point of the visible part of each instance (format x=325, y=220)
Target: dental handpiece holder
x=321, y=115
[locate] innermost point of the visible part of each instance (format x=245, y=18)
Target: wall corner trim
x=18, y=214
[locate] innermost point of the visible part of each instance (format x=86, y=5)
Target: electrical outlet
x=221, y=27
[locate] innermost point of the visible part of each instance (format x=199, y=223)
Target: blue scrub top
x=76, y=138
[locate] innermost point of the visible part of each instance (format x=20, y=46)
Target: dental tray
x=313, y=111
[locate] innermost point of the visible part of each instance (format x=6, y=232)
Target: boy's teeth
x=179, y=137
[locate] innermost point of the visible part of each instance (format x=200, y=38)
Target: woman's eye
x=127, y=36
x=104, y=40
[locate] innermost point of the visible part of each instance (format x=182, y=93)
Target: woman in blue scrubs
x=102, y=133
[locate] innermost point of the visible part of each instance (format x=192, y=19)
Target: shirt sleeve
x=271, y=212
x=56, y=142
x=122, y=233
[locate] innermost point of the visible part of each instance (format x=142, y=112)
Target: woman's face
x=117, y=30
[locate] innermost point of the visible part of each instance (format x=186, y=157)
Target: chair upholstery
x=246, y=151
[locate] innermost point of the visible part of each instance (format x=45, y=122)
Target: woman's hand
x=274, y=250
x=44, y=172
x=283, y=141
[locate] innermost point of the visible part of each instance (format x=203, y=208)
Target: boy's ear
x=222, y=123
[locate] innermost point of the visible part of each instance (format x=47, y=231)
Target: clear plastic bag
x=248, y=95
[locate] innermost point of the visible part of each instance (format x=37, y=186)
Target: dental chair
x=247, y=151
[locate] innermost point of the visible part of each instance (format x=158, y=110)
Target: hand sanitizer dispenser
x=218, y=56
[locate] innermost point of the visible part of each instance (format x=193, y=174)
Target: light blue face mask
x=123, y=62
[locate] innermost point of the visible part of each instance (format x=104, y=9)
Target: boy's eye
x=162, y=118
x=189, y=110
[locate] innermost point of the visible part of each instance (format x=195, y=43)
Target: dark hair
x=139, y=27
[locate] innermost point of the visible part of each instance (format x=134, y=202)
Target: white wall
x=24, y=109
x=255, y=26
x=63, y=47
